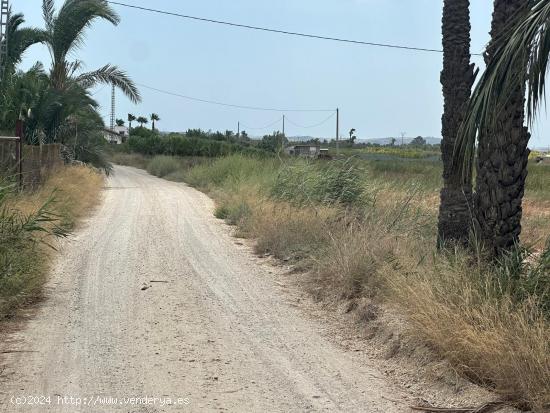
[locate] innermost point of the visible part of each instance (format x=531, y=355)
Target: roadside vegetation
x=364, y=231
x=30, y=223
x=50, y=103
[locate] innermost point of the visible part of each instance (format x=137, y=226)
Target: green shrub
x=234, y=211
x=523, y=275
x=229, y=172
x=149, y=143
x=163, y=165
x=339, y=182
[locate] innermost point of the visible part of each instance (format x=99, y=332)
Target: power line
x=311, y=126
x=278, y=31
x=213, y=102
x=265, y=127
x=98, y=91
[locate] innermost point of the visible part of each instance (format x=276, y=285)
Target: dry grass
x=349, y=266
x=488, y=337
x=75, y=191
x=288, y=232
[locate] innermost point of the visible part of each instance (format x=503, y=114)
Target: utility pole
x=113, y=108
x=403, y=138
x=238, y=129
x=282, y=146
x=4, y=17
x=337, y=131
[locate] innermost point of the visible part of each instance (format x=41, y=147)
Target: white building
x=117, y=136
x=121, y=130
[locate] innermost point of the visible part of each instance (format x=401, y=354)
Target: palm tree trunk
x=502, y=159
x=457, y=78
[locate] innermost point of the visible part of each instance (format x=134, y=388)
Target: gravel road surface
x=154, y=300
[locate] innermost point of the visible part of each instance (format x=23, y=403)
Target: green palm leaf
x=74, y=17
x=519, y=56
x=112, y=75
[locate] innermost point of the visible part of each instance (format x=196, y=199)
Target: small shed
x=306, y=151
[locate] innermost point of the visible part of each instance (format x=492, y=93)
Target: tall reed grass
x=29, y=224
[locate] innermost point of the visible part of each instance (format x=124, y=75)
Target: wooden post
x=19, y=132
x=337, y=131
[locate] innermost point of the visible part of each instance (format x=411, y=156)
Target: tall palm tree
x=498, y=124
x=154, y=117
x=457, y=78
x=142, y=120
x=131, y=118
x=65, y=31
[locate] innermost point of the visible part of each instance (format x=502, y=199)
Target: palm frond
x=111, y=75
x=74, y=17
x=48, y=11
x=519, y=56
x=74, y=67
x=20, y=39
x=14, y=22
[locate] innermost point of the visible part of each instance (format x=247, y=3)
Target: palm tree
x=457, y=79
x=142, y=120
x=154, y=117
x=352, y=137
x=131, y=118
x=496, y=117
x=119, y=122
x=64, y=34
x=25, y=96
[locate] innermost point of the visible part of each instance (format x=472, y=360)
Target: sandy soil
x=153, y=297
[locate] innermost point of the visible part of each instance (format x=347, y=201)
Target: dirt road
x=153, y=297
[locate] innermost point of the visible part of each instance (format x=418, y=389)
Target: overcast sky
x=381, y=92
